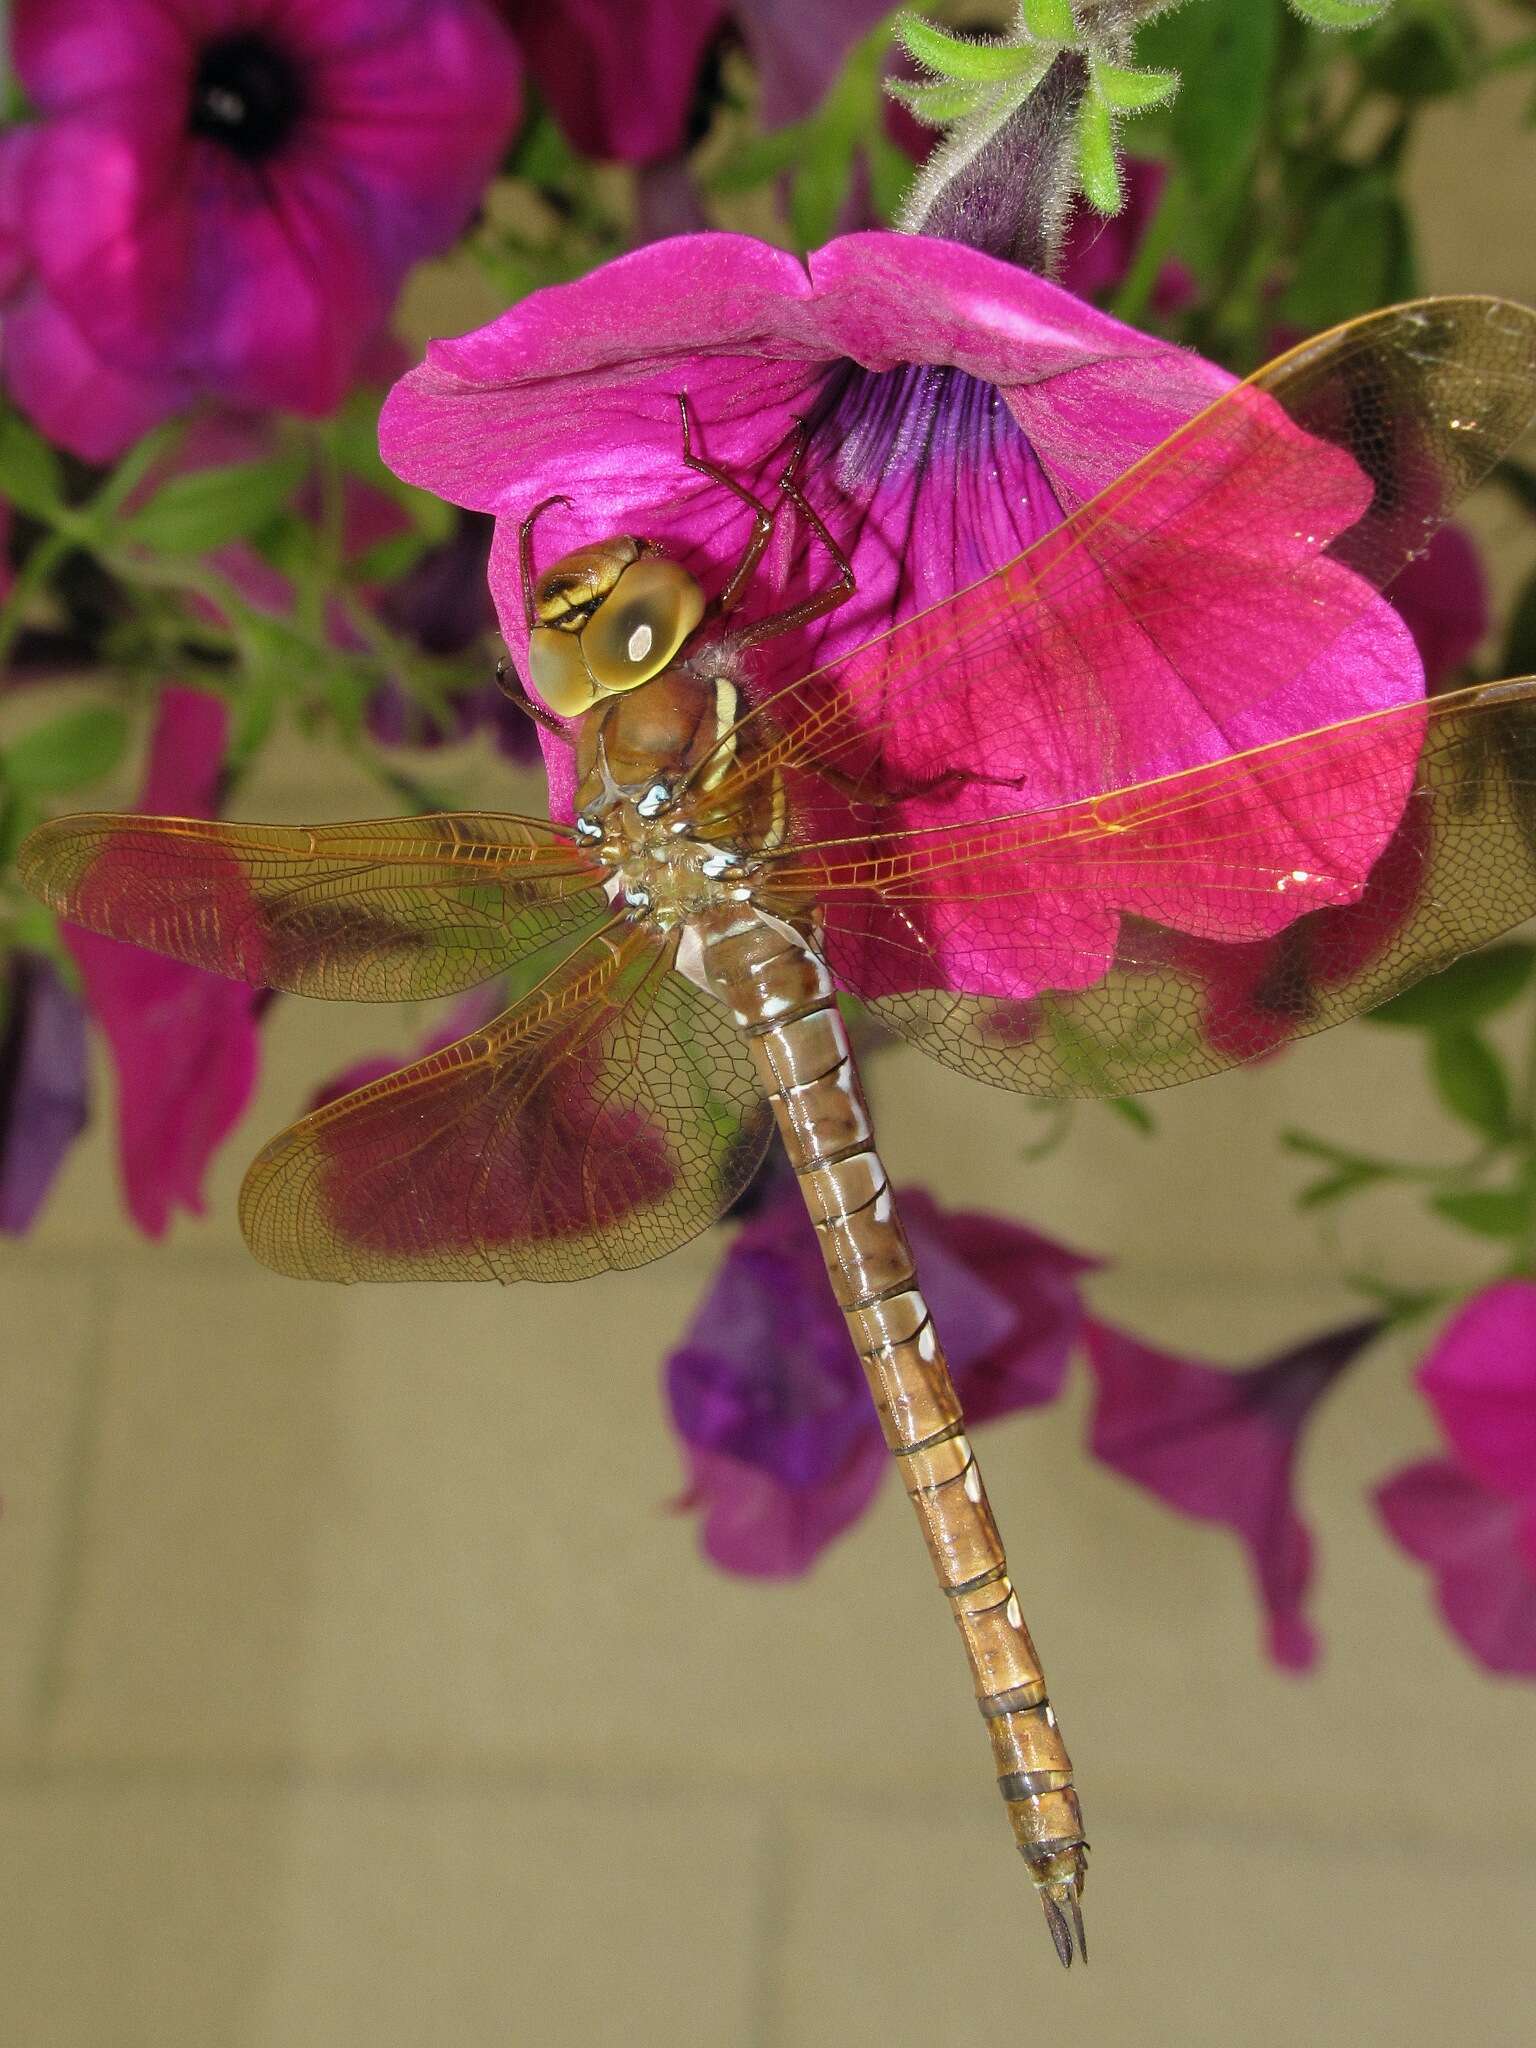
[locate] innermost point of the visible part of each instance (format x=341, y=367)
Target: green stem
x=1134, y=295
x=30, y=578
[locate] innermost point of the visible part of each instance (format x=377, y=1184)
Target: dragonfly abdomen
x=781, y=997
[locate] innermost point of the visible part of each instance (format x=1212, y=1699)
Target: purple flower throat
x=247, y=93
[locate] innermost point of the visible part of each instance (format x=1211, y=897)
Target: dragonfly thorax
x=660, y=867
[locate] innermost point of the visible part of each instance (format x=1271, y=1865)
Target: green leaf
x=1420, y=59
x=30, y=473
x=1050, y=21
x=1132, y=92
x=1225, y=52
x=1470, y=1080
x=205, y=508
x=1466, y=992
x=1355, y=253
x=1341, y=13
x=934, y=101
x=80, y=747
x=1487, y=1213
x=951, y=56
x=1132, y=1112
x=1519, y=656
x=18, y=815
x=1335, y=1187
x=1097, y=169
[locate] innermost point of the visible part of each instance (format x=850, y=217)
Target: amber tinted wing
x=385, y=910
x=604, y=1120
x=1191, y=609
x=1077, y=898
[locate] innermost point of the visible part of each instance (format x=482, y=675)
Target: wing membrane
x=1095, y=910
x=384, y=910
x=601, y=1122
x=1215, y=594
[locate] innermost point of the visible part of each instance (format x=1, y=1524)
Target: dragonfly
x=739, y=859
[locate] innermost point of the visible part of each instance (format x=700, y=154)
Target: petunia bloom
x=44, y=1093
x=223, y=198
x=957, y=407
x=782, y=1445
x=183, y=1042
x=1472, y=1517
x=624, y=76
x=1221, y=1445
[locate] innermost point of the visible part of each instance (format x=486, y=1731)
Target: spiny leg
x=515, y=690
x=823, y=601
x=525, y=554
x=727, y=599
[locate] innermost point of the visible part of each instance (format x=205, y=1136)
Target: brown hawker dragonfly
x=734, y=863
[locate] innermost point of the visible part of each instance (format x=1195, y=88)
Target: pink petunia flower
x=782, y=1446
x=624, y=76
x=957, y=407
x=1472, y=1517
x=223, y=196
x=1221, y=1445
x=183, y=1042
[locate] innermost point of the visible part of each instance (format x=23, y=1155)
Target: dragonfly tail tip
x=1060, y=1901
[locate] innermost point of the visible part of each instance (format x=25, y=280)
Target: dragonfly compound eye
x=639, y=627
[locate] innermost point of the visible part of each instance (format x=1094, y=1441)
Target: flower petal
x=183, y=1042
x=1221, y=1445
x=1482, y=1550
x=1480, y=1379
x=752, y=1523
x=621, y=81
x=44, y=1090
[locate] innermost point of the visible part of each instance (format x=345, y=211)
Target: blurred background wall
x=356, y=1686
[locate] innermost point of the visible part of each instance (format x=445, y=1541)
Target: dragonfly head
x=609, y=618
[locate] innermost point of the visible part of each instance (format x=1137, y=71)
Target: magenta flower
x=1221, y=1445
x=223, y=196
x=183, y=1042
x=624, y=76
x=44, y=1092
x=1472, y=1517
x=782, y=1444
x=1443, y=598
x=958, y=406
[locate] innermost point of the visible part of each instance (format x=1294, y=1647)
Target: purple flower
x=43, y=1084
x=624, y=78
x=1472, y=1517
x=957, y=406
x=183, y=1042
x=780, y=1436
x=1443, y=598
x=1221, y=1445
x=222, y=196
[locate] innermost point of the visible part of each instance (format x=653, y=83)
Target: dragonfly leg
x=823, y=601
x=525, y=554
x=727, y=599
x=513, y=688
x=781, y=996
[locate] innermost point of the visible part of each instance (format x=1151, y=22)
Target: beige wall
x=356, y=1691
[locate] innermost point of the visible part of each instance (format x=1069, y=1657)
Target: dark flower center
x=248, y=94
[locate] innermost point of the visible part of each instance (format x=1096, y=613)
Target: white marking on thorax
x=973, y=1483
